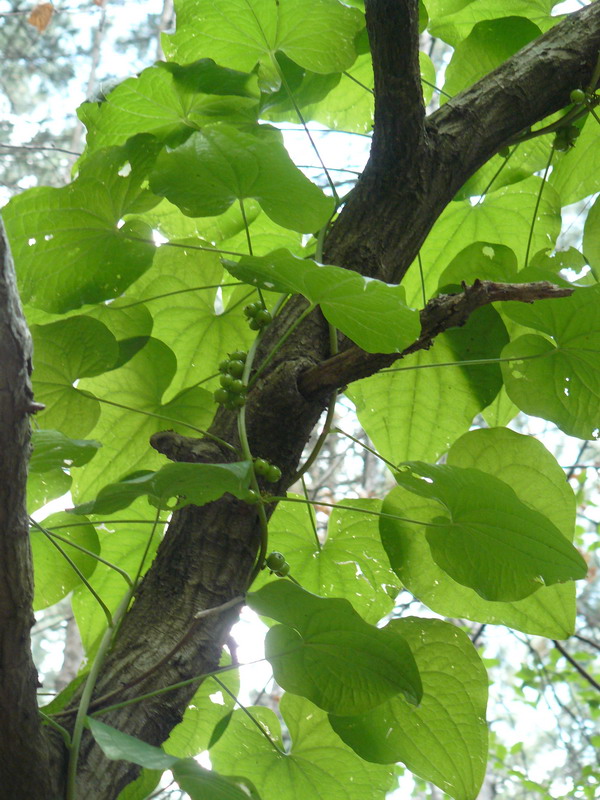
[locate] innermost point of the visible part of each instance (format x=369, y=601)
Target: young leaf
x=318, y=765
x=228, y=164
x=371, y=313
x=444, y=739
x=325, y=652
x=559, y=378
x=490, y=541
x=189, y=483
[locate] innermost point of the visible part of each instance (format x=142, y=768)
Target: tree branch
x=393, y=27
x=440, y=313
x=382, y=226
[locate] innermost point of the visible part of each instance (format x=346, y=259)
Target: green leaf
x=52, y=449
x=199, y=783
x=189, y=483
x=490, y=541
x=490, y=43
x=453, y=20
x=142, y=787
x=480, y=260
x=444, y=739
x=318, y=765
x=186, y=314
x=117, y=746
x=203, y=784
x=371, y=313
x=70, y=245
x=325, y=652
x=428, y=406
x=591, y=237
x=170, y=101
x=351, y=561
x=574, y=173
x=523, y=463
x=54, y=576
x=316, y=34
x=64, y=352
x=130, y=325
x=45, y=486
x=559, y=378
x=221, y=164
x=139, y=386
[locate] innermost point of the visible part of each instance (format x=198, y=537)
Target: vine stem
x=366, y=447
x=537, y=205
x=86, y=696
x=355, y=508
x=114, y=623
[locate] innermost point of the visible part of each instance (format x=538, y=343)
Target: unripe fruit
x=283, y=571
x=251, y=497
x=238, y=355
x=261, y=467
x=275, y=560
x=236, y=386
x=577, y=96
x=226, y=380
x=504, y=152
x=273, y=474
x=236, y=368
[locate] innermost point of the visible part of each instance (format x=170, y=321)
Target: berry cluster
x=270, y=472
x=232, y=393
x=258, y=316
x=565, y=137
x=276, y=562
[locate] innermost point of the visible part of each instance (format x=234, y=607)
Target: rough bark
x=24, y=754
x=416, y=166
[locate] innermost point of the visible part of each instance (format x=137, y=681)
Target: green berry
x=252, y=309
x=236, y=368
x=504, y=152
x=251, y=497
x=572, y=133
x=226, y=380
x=221, y=396
x=261, y=467
x=560, y=141
x=263, y=317
x=283, y=570
x=577, y=96
x=238, y=355
x=236, y=386
x=273, y=474
x=254, y=325
x=224, y=365
x=275, y=560
x=238, y=400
